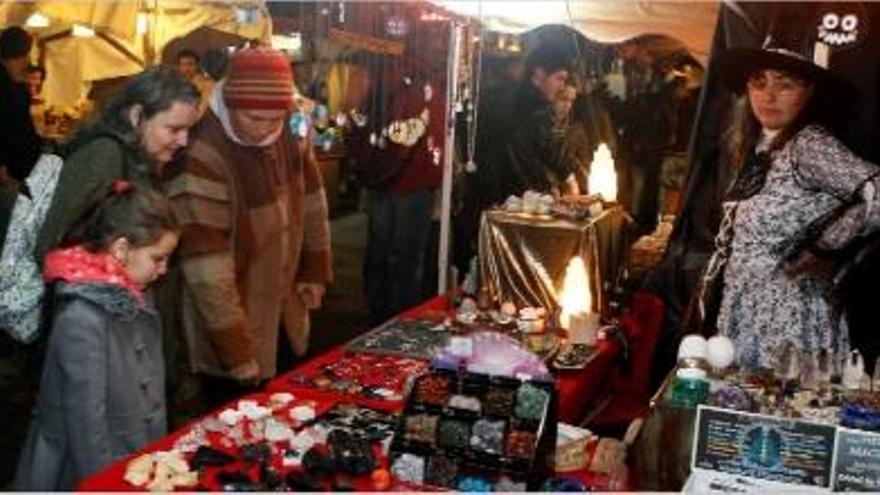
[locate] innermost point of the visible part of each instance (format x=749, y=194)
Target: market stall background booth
x=88, y=41
x=692, y=23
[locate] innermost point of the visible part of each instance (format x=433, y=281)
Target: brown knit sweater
x=254, y=224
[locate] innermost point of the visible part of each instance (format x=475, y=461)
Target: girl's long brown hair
x=139, y=214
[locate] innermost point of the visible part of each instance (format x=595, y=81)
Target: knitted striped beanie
x=259, y=78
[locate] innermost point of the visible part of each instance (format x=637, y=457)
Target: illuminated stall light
x=575, y=297
x=37, y=20
x=82, y=31
x=603, y=179
x=576, y=302
x=142, y=23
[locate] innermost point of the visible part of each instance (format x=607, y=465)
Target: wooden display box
x=437, y=430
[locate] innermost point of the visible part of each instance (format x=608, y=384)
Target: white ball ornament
x=721, y=352
x=693, y=346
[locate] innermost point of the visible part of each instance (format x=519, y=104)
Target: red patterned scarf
x=78, y=265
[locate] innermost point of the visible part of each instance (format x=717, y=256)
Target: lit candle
x=584, y=327
x=577, y=316
x=603, y=179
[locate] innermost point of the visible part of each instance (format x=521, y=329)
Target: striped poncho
x=254, y=224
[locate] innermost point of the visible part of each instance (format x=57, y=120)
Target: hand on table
x=246, y=372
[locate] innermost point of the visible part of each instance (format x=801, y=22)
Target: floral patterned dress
x=812, y=179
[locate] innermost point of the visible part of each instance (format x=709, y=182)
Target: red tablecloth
x=577, y=391
x=112, y=478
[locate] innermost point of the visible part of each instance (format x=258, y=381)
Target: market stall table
x=576, y=391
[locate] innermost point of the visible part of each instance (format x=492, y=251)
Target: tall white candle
x=584, y=328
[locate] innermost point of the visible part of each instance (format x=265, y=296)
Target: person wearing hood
x=800, y=198
x=255, y=248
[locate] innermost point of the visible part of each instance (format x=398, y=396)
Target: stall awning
x=118, y=47
x=691, y=22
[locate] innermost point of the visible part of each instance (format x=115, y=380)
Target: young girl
x=102, y=393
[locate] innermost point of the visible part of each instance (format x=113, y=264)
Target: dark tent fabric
x=746, y=24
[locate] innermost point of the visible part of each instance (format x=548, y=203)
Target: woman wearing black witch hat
x=799, y=197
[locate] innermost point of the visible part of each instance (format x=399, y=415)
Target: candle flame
x=603, y=179
x=575, y=296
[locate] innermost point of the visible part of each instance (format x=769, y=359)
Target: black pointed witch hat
x=799, y=52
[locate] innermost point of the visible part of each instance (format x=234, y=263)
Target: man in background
x=36, y=76
x=188, y=65
x=643, y=134
x=520, y=142
x=533, y=151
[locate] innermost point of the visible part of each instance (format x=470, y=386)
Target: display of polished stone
x=433, y=390
x=507, y=485
x=465, y=402
x=409, y=467
x=352, y=453
x=861, y=410
x=441, y=471
x=499, y=402
x=421, y=428
x=487, y=436
x=474, y=484
x=491, y=427
x=531, y=402
x=732, y=397
x=520, y=444
x=453, y=433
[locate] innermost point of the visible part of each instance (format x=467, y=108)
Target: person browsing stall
x=102, y=392
x=139, y=131
x=255, y=249
x=800, y=196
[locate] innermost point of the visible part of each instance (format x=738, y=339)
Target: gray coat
x=102, y=394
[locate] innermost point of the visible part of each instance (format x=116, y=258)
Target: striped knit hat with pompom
x=260, y=79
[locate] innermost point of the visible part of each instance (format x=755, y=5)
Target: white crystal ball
x=721, y=352
x=693, y=346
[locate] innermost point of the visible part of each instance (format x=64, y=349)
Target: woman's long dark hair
x=155, y=90
x=746, y=130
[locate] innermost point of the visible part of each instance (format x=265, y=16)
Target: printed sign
x=858, y=461
x=764, y=447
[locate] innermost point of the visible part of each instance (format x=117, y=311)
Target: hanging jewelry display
x=472, y=96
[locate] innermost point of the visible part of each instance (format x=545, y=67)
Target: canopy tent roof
x=691, y=22
x=118, y=49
